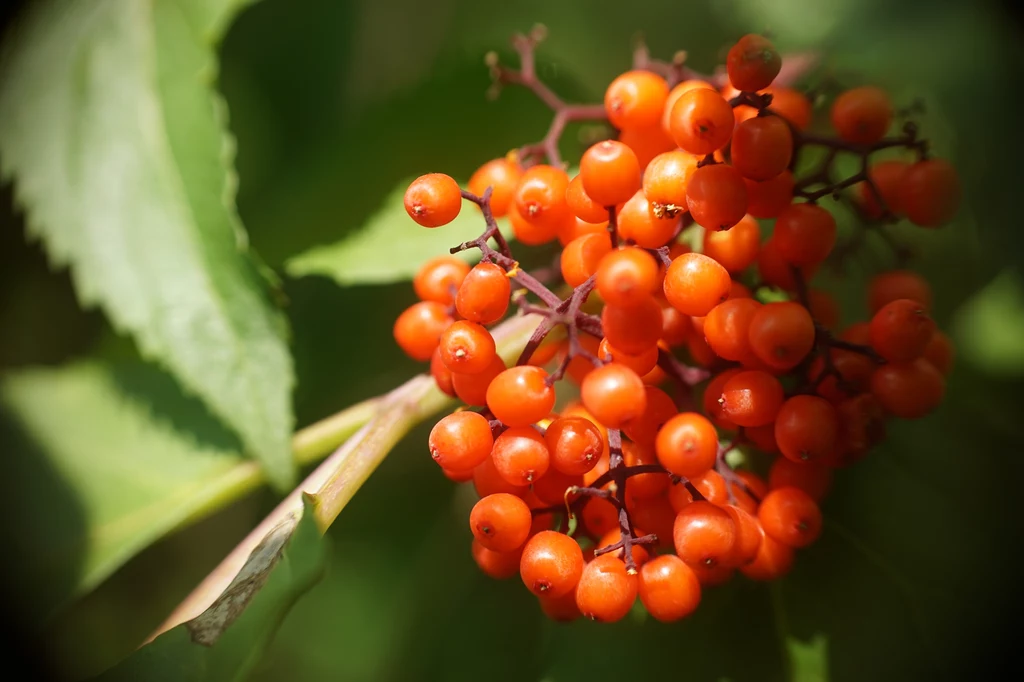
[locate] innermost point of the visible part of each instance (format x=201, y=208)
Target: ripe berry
x=792, y=105
x=862, y=115
x=886, y=287
x=701, y=121
x=658, y=410
x=790, y=516
x=704, y=534
x=641, y=363
x=540, y=198
x=776, y=270
x=669, y=589
x=472, y=388
x=461, y=441
x=673, y=97
x=768, y=198
x=488, y=481
x=484, y=294
x=813, y=478
x=736, y=248
x=520, y=396
x=614, y=394
x=433, y=200
x=751, y=398
x=467, y=348
x=439, y=278
x=635, y=328
x=726, y=327
x=561, y=609
x=753, y=63
x=887, y=177
x=806, y=428
x=695, y=283
x=500, y=522
x=552, y=564
x=908, y=390
x=805, y=234
x=580, y=257
x=665, y=182
x=712, y=392
x=606, y=592
x=761, y=147
x=520, y=455
x=502, y=176
x=575, y=445
x=610, y=172
x=687, y=445
x=627, y=276
x=442, y=375
x=901, y=330
x=930, y=193
x=940, y=352
x=773, y=560
x=418, y=329
x=582, y=205
x=748, y=536
x=643, y=485
x=717, y=196
x=637, y=222
x=636, y=99
x=497, y=565
x=647, y=142
x=781, y=334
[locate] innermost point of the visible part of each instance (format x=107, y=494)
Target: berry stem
x=526, y=76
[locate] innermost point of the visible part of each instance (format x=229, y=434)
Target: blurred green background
x=333, y=104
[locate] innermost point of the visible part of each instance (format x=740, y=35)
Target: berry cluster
x=630, y=489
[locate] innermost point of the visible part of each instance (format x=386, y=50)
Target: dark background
x=335, y=103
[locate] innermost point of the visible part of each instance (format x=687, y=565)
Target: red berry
x=502, y=176
x=520, y=396
x=467, y=348
x=717, y=196
x=433, y=200
x=461, y=441
x=418, y=329
x=636, y=99
x=552, y=564
x=761, y=147
x=610, y=172
x=806, y=428
x=790, y=516
x=704, y=534
x=520, y=455
x=701, y=121
x=606, y=592
x=901, y=330
x=862, y=115
x=753, y=63
x=614, y=394
x=500, y=522
x=687, y=445
x=484, y=294
x=695, y=283
x=930, y=193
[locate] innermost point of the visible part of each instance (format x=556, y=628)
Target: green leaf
x=121, y=457
x=989, y=329
x=807, y=661
x=390, y=247
x=226, y=641
x=119, y=149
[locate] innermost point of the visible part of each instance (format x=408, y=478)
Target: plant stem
x=367, y=432
x=319, y=439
